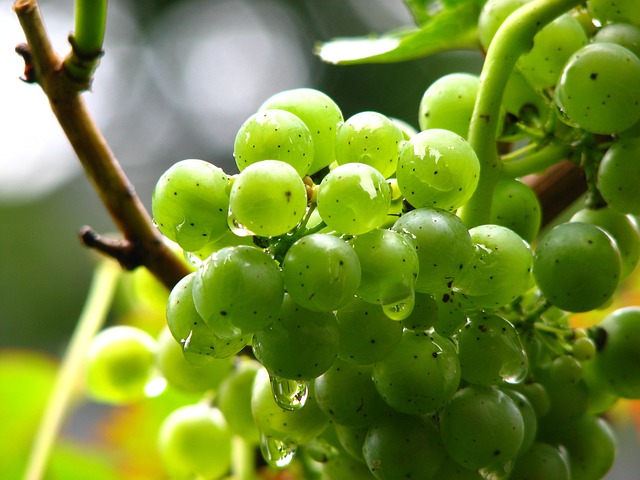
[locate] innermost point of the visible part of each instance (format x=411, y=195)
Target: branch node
x=29, y=75
x=80, y=66
x=119, y=249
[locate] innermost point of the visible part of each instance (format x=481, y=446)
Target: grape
x=437, y=168
x=181, y=374
x=537, y=395
x=618, y=174
x=493, y=15
x=190, y=203
x=354, y=198
x=194, y=440
x=613, y=11
x=347, y=395
x=617, y=361
x=490, y=351
x=552, y=47
x=449, y=469
x=576, y=266
x=407, y=129
x=321, y=115
x=623, y=34
x=600, y=397
x=452, y=313
x=370, y=138
x=268, y=198
x=120, y=364
x=501, y=267
x=481, y=427
x=529, y=418
x=521, y=100
x=343, y=467
x=228, y=239
x=443, y=245
x=299, y=344
x=403, y=446
x=274, y=135
x=367, y=335
x=597, y=90
x=420, y=375
x=352, y=440
x=389, y=266
x=424, y=314
x=516, y=206
x=238, y=290
x=583, y=349
x=321, y=272
x=448, y=103
x=541, y=461
x=199, y=343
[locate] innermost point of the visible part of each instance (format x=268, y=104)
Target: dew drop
x=276, y=452
x=400, y=310
x=236, y=227
x=289, y=394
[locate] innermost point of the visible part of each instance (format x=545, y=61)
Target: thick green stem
x=91, y=320
x=535, y=162
x=513, y=39
x=91, y=20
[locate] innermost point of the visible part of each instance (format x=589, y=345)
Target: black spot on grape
x=593, y=76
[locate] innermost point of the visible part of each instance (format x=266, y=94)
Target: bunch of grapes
x=340, y=312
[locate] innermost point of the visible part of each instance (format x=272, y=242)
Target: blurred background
x=178, y=79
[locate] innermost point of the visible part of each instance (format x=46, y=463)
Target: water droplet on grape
x=237, y=228
x=192, y=259
x=400, y=310
x=276, y=452
x=289, y=394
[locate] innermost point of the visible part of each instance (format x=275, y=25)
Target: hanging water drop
x=400, y=310
x=289, y=394
x=236, y=227
x=276, y=452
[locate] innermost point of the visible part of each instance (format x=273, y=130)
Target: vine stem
x=92, y=317
x=514, y=38
x=244, y=464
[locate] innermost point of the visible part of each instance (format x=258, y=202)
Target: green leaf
x=450, y=29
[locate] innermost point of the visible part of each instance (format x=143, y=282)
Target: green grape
x=541, y=461
x=448, y=103
x=437, y=168
x=618, y=174
x=403, y=446
x=500, y=270
x=621, y=229
x=354, y=198
x=614, y=11
x=199, y=343
x=234, y=400
x=370, y=138
x=516, y=206
x=194, y=440
x=576, y=266
x=552, y=47
x=228, y=239
x=600, y=397
x=450, y=469
x=443, y=245
x=181, y=374
x=321, y=115
x=537, y=395
x=347, y=395
x=481, y=427
x=583, y=349
x=120, y=364
x=616, y=362
x=389, y=266
x=352, y=440
x=521, y=100
x=452, y=313
x=420, y=375
x=274, y=135
x=529, y=418
x=366, y=334
x=406, y=128
x=493, y=15
x=268, y=198
x=190, y=203
x=424, y=314
x=597, y=90
x=321, y=272
x=623, y=34
x=490, y=351
x=299, y=344
x=343, y=467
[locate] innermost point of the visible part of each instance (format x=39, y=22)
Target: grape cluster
x=343, y=312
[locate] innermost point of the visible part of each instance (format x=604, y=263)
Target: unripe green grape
x=615, y=11
x=529, y=418
x=576, y=266
x=389, y=265
x=453, y=470
x=181, y=374
x=370, y=138
x=406, y=128
x=452, y=312
x=623, y=34
x=618, y=175
x=194, y=440
x=490, y=351
x=493, y=15
x=443, y=245
x=600, y=397
x=597, y=90
x=299, y=344
x=321, y=272
x=321, y=115
x=190, y=203
x=366, y=334
x=228, y=239
x=343, y=467
x=120, y=364
x=352, y=440
x=516, y=206
x=521, y=100
x=354, y=198
x=501, y=267
x=448, y=103
x=437, y=168
x=424, y=314
x=552, y=47
x=403, y=446
x=274, y=135
x=583, y=349
x=238, y=290
x=537, y=395
x=268, y=198
x=541, y=461
x=420, y=375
